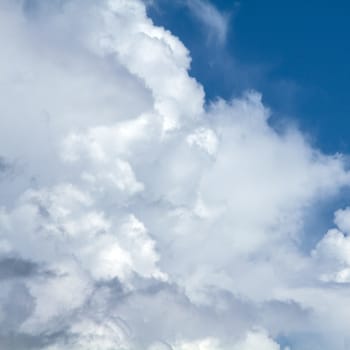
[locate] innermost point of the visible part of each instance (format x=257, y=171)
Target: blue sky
x=296, y=53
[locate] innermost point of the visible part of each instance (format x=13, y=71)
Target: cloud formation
x=136, y=216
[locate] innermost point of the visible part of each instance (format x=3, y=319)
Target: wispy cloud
x=215, y=21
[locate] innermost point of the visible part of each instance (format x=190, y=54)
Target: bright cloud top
x=135, y=217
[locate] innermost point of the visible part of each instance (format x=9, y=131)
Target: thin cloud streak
x=215, y=21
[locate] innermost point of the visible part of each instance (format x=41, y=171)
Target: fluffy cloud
x=251, y=341
x=333, y=251
x=135, y=217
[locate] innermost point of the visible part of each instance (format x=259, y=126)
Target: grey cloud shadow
x=18, y=268
x=22, y=341
x=6, y=167
x=11, y=267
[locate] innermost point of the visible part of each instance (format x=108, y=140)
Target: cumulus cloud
x=333, y=251
x=137, y=217
x=252, y=340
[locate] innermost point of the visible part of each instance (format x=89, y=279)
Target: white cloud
x=333, y=251
x=342, y=219
x=253, y=340
x=141, y=218
x=256, y=340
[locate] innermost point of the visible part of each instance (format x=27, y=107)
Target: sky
x=295, y=52
x=173, y=176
